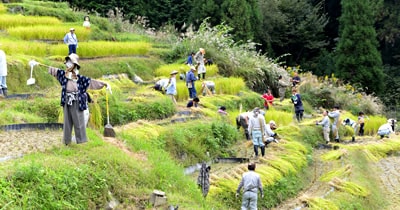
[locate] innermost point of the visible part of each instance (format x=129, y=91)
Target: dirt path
x=390, y=180
x=315, y=189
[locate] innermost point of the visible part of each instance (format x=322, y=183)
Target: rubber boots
x=1, y=93
x=353, y=139
x=5, y=92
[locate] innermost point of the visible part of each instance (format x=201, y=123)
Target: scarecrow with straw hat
x=74, y=98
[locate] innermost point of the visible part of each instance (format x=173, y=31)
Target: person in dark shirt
x=296, y=79
x=193, y=103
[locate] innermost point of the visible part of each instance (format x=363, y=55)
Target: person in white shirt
x=335, y=114
x=353, y=124
x=3, y=74
x=257, y=130
x=325, y=122
x=71, y=40
x=385, y=129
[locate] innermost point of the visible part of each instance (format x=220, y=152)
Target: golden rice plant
x=320, y=204
x=297, y=158
x=95, y=117
x=282, y=165
x=103, y=48
x=269, y=175
x=344, y=171
x=372, y=124
x=165, y=70
x=231, y=85
x=3, y=9
x=37, y=49
x=281, y=118
x=370, y=156
x=333, y=155
x=143, y=130
x=349, y=187
x=8, y=21
x=294, y=146
x=47, y=32
x=378, y=150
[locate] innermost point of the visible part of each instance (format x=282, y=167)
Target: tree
x=358, y=60
x=293, y=26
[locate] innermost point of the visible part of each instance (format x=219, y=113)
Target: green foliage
x=358, y=60
x=122, y=113
x=282, y=189
x=37, y=186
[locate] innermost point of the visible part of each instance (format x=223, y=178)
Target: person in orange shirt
x=268, y=99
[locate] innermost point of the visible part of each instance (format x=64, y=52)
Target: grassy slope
x=81, y=177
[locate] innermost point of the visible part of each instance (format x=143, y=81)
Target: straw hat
x=193, y=68
x=74, y=59
x=72, y=29
x=174, y=72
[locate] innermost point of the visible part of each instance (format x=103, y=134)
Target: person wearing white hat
x=71, y=40
x=171, y=87
x=190, y=79
x=269, y=133
x=201, y=68
x=3, y=74
x=74, y=98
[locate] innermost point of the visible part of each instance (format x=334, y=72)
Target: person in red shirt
x=268, y=99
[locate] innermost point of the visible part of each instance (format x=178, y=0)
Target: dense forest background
x=357, y=41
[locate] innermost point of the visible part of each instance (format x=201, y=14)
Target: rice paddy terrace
x=294, y=174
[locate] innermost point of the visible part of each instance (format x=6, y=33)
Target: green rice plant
x=48, y=32
x=349, y=187
x=103, y=48
x=321, y=204
x=343, y=171
x=9, y=21
x=333, y=155
x=281, y=118
x=269, y=175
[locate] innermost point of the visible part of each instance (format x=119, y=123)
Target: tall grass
x=48, y=32
x=9, y=21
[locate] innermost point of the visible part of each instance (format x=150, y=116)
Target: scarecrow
x=74, y=98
